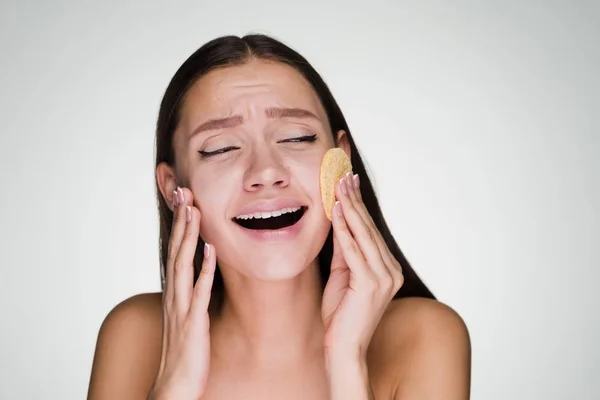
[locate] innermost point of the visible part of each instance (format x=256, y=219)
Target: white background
x=478, y=120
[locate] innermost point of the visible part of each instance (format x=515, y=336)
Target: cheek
x=211, y=186
x=211, y=196
x=307, y=172
x=209, y=225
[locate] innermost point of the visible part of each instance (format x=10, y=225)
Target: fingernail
x=188, y=213
x=338, y=208
x=175, y=201
x=206, y=250
x=343, y=186
x=356, y=181
x=181, y=196
x=349, y=180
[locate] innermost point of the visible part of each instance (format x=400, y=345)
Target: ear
x=343, y=142
x=166, y=180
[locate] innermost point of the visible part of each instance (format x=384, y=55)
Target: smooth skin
x=276, y=337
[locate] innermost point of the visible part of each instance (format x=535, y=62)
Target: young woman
x=264, y=297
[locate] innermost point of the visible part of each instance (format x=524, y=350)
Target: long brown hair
x=232, y=50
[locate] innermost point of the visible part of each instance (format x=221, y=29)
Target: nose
x=266, y=171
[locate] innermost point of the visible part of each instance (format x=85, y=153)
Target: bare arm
x=128, y=350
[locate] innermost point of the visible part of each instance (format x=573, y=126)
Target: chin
x=279, y=267
x=273, y=263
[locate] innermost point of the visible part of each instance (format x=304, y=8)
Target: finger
x=177, y=232
x=353, y=183
x=337, y=259
x=348, y=246
x=203, y=288
x=362, y=234
x=183, y=276
x=389, y=261
x=354, y=195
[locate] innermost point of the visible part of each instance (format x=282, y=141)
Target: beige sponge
x=334, y=166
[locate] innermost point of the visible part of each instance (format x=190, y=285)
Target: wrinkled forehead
x=248, y=90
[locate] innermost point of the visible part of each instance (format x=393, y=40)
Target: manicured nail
x=206, y=250
x=343, y=186
x=175, y=201
x=188, y=213
x=181, y=196
x=356, y=181
x=349, y=181
x=338, y=208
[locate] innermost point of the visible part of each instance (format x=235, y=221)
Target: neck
x=271, y=323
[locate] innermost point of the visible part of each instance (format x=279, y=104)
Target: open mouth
x=271, y=221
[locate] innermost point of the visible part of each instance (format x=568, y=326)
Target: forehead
x=249, y=88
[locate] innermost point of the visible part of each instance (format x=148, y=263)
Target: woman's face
x=250, y=140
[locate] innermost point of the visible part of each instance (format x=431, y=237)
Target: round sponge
x=334, y=166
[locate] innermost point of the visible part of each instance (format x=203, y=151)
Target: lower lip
x=276, y=235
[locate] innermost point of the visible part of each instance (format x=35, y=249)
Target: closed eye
x=309, y=138
x=299, y=139
x=216, y=152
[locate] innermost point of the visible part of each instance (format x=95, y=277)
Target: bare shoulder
x=128, y=348
x=427, y=348
x=420, y=318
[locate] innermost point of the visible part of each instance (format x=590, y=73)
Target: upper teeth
x=268, y=214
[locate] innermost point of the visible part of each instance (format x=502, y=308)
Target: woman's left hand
x=364, y=276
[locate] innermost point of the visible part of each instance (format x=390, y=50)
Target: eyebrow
x=236, y=120
x=289, y=113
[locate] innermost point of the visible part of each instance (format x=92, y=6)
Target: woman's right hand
x=185, y=358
